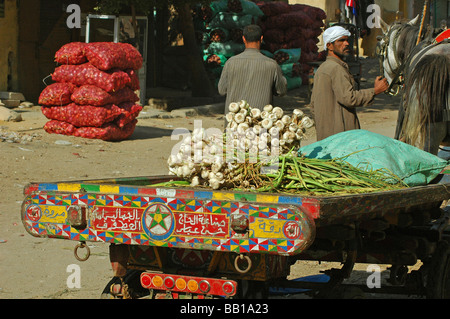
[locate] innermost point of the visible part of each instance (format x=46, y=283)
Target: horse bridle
x=382, y=51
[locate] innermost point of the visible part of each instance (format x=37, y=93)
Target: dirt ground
x=38, y=268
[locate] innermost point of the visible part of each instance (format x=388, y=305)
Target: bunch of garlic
x=214, y=161
x=200, y=160
x=264, y=131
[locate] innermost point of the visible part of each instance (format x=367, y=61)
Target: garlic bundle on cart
x=200, y=160
x=267, y=130
x=251, y=135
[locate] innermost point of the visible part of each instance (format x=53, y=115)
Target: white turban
x=334, y=33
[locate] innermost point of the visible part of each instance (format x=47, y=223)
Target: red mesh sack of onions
x=58, y=127
x=88, y=74
x=57, y=94
x=274, y=8
x=124, y=95
x=82, y=115
x=130, y=112
x=93, y=95
x=108, y=132
x=134, y=79
x=71, y=53
x=108, y=55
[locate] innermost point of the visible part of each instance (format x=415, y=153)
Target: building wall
x=9, y=47
x=389, y=13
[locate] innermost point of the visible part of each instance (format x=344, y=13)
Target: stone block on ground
x=12, y=96
x=26, y=105
x=11, y=103
x=8, y=115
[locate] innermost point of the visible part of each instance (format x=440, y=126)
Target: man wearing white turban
x=334, y=33
x=335, y=97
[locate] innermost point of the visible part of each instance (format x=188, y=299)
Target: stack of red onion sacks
x=94, y=91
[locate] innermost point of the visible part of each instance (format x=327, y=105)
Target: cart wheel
x=438, y=281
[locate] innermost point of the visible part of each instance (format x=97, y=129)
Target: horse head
x=391, y=54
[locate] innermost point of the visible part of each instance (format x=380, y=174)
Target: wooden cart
x=195, y=242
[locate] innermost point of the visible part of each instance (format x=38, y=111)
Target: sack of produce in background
x=219, y=27
x=287, y=27
x=94, y=91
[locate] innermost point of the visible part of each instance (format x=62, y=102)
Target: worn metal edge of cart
x=129, y=212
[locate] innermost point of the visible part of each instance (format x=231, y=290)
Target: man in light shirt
x=334, y=98
x=252, y=76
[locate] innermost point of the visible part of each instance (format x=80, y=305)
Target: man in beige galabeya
x=334, y=97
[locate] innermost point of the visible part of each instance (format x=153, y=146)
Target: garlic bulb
x=274, y=131
x=293, y=127
x=234, y=107
x=250, y=135
x=278, y=111
x=215, y=150
x=216, y=167
x=289, y=136
x=214, y=183
x=257, y=129
x=243, y=111
x=286, y=119
x=272, y=117
x=229, y=117
x=172, y=160
x=195, y=181
x=243, y=105
x=267, y=124
x=268, y=108
x=233, y=126
x=306, y=122
x=198, y=135
x=264, y=136
x=298, y=113
x=255, y=113
x=204, y=174
x=239, y=118
x=242, y=128
x=262, y=144
x=280, y=125
x=275, y=142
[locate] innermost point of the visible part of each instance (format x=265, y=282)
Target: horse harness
x=398, y=79
x=382, y=54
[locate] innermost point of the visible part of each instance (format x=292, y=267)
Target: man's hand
x=381, y=85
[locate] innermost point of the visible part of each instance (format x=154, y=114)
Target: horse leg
x=436, y=134
x=400, y=117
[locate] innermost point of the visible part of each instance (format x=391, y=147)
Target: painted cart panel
x=131, y=211
x=166, y=218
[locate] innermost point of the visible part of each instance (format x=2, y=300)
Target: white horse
x=421, y=72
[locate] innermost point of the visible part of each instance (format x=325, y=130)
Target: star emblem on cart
x=158, y=222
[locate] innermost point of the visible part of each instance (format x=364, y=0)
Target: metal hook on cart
x=249, y=264
x=82, y=245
